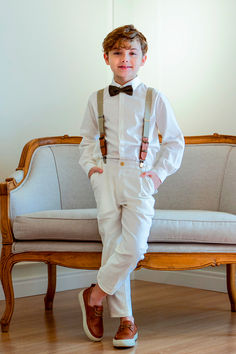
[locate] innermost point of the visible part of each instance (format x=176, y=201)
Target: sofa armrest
x=5, y=223
x=17, y=176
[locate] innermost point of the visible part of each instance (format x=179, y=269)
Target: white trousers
x=125, y=210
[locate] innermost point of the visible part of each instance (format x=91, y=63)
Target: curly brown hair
x=121, y=35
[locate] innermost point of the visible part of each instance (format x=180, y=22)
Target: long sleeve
x=172, y=147
x=89, y=131
x=123, y=127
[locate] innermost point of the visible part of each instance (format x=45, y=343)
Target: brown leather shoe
x=126, y=335
x=92, y=316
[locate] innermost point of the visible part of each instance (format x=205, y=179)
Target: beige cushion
x=56, y=246
x=199, y=226
x=168, y=226
x=75, y=224
x=70, y=246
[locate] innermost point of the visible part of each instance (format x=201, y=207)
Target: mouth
x=124, y=67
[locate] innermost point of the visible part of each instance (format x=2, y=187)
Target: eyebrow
x=115, y=48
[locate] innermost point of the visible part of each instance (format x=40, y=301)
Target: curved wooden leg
x=231, y=285
x=52, y=274
x=6, y=279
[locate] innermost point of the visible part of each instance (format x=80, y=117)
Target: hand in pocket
x=156, y=180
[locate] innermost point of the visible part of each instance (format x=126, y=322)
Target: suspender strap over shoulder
x=101, y=124
x=146, y=124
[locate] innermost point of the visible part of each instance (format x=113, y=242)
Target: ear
x=106, y=58
x=144, y=58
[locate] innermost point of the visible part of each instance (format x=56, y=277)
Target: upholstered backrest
x=198, y=183
x=228, y=195
x=55, y=180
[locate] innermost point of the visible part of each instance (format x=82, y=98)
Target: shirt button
x=122, y=163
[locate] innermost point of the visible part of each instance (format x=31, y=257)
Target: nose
x=125, y=57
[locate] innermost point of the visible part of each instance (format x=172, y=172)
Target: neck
x=122, y=82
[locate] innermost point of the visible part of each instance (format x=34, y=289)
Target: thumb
x=143, y=174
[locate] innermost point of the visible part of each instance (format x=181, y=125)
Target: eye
x=133, y=53
x=116, y=53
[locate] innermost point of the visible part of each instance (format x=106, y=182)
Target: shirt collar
x=135, y=82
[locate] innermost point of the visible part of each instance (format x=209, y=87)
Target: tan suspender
x=101, y=124
x=146, y=121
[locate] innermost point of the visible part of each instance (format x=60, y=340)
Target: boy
x=124, y=173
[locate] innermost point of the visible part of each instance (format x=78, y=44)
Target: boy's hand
x=94, y=170
x=156, y=180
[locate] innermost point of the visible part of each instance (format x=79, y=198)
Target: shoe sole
x=125, y=342
x=85, y=326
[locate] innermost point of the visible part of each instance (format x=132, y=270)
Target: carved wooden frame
x=92, y=260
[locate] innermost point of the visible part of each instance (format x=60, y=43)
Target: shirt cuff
x=161, y=173
x=87, y=167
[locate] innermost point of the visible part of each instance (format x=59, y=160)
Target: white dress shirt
x=123, y=129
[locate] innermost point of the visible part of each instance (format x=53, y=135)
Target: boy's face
x=125, y=60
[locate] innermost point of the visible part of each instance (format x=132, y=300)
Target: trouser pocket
x=147, y=185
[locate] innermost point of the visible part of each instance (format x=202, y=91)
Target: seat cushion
x=69, y=225
x=199, y=226
x=73, y=246
x=190, y=226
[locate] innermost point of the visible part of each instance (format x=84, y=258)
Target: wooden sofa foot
x=49, y=297
x=6, y=279
x=231, y=285
x=4, y=327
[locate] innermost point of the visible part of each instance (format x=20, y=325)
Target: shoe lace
x=126, y=325
x=97, y=312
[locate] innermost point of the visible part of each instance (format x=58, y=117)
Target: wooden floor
x=170, y=319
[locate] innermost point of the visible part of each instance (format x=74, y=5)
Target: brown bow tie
x=115, y=90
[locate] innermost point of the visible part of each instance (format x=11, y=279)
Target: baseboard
x=31, y=279
x=200, y=278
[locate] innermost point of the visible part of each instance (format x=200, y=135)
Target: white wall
x=192, y=55
x=51, y=59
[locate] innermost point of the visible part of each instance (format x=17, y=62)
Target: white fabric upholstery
x=168, y=226
x=54, y=181
x=228, y=195
x=196, y=206
x=40, y=190
x=75, y=189
x=200, y=175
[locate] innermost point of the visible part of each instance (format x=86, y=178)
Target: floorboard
x=171, y=319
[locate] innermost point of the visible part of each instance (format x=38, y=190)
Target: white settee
x=48, y=213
